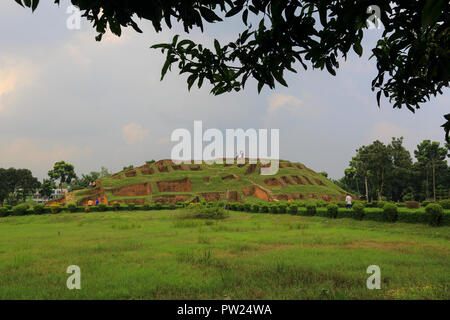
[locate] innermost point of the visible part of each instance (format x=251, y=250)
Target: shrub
x=3, y=211
x=435, y=213
x=311, y=209
x=102, y=207
x=131, y=206
x=146, y=206
x=282, y=208
x=321, y=203
x=358, y=211
x=204, y=212
x=340, y=204
x=38, y=208
x=293, y=209
x=390, y=212
x=255, y=208
x=273, y=209
x=247, y=207
x=72, y=207
x=412, y=204
x=373, y=204
x=445, y=203
x=332, y=210
x=115, y=205
x=86, y=209
x=264, y=208
x=425, y=203
x=55, y=208
x=20, y=209
x=408, y=197
x=157, y=206
x=172, y=206
x=381, y=204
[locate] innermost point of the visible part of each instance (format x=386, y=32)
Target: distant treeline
x=387, y=172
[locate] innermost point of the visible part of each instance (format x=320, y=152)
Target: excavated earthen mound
x=182, y=185
x=210, y=183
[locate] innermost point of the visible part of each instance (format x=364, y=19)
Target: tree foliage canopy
x=16, y=184
x=390, y=171
x=412, y=57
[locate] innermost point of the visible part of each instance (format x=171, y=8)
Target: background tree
x=403, y=179
x=86, y=179
x=430, y=155
x=16, y=185
x=401, y=173
x=413, y=55
x=47, y=188
x=324, y=173
x=62, y=172
x=361, y=165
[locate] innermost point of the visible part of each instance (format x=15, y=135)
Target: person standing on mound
x=348, y=201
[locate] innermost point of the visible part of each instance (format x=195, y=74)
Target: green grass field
x=159, y=255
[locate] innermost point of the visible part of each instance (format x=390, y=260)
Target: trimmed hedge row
x=22, y=210
x=433, y=214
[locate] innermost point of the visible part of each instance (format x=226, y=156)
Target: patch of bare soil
x=182, y=185
x=319, y=182
x=140, y=189
x=212, y=196
x=307, y=180
x=130, y=173
x=273, y=182
x=100, y=197
x=286, y=180
x=231, y=177
x=256, y=191
x=172, y=198
x=297, y=180
x=251, y=168
x=234, y=196
x=135, y=201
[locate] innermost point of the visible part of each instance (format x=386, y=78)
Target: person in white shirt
x=348, y=201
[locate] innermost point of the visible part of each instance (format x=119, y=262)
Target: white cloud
x=134, y=133
x=278, y=101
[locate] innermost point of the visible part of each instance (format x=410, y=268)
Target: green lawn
x=158, y=255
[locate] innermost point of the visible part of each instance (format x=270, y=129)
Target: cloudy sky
x=64, y=96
